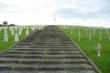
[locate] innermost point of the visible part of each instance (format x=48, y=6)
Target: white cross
x=79, y=36
x=27, y=31
x=16, y=37
x=90, y=37
x=5, y=36
x=98, y=50
x=100, y=36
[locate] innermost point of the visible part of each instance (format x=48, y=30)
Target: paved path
x=46, y=51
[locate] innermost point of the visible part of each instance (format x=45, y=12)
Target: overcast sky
x=76, y=12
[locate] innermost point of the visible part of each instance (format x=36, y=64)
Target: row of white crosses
x=90, y=37
x=94, y=30
x=6, y=34
x=16, y=28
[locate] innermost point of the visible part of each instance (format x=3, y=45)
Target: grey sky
x=81, y=12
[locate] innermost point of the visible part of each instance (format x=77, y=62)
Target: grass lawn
x=4, y=45
x=103, y=62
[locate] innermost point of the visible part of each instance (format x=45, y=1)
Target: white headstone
x=12, y=31
x=93, y=30
x=33, y=28
x=20, y=30
x=86, y=31
x=98, y=50
x=5, y=31
x=27, y=31
x=100, y=35
x=79, y=29
x=84, y=28
x=64, y=27
x=5, y=28
x=16, y=28
x=99, y=46
x=107, y=31
x=5, y=35
x=109, y=36
x=79, y=36
x=98, y=53
x=39, y=27
x=0, y=28
x=16, y=37
x=90, y=37
x=71, y=30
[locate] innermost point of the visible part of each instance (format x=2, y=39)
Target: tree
x=5, y=23
x=0, y=24
x=11, y=24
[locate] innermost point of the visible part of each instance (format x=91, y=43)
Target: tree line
x=5, y=23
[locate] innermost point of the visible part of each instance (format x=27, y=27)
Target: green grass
x=103, y=62
x=4, y=45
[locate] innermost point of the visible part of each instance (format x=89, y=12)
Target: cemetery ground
x=102, y=62
x=6, y=44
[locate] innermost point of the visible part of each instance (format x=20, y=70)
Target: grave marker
x=107, y=31
x=98, y=50
x=90, y=37
x=5, y=34
x=12, y=31
x=100, y=34
x=71, y=30
x=86, y=31
x=0, y=28
x=5, y=37
x=109, y=37
x=32, y=28
x=16, y=37
x=20, y=30
x=79, y=36
x=27, y=31
x=94, y=30
x=16, y=28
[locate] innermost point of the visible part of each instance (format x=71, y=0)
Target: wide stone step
x=44, y=67
x=49, y=48
x=42, y=61
x=42, y=52
x=45, y=54
x=48, y=44
x=47, y=58
x=52, y=43
x=30, y=41
x=42, y=56
x=36, y=49
x=54, y=71
x=44, y=46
